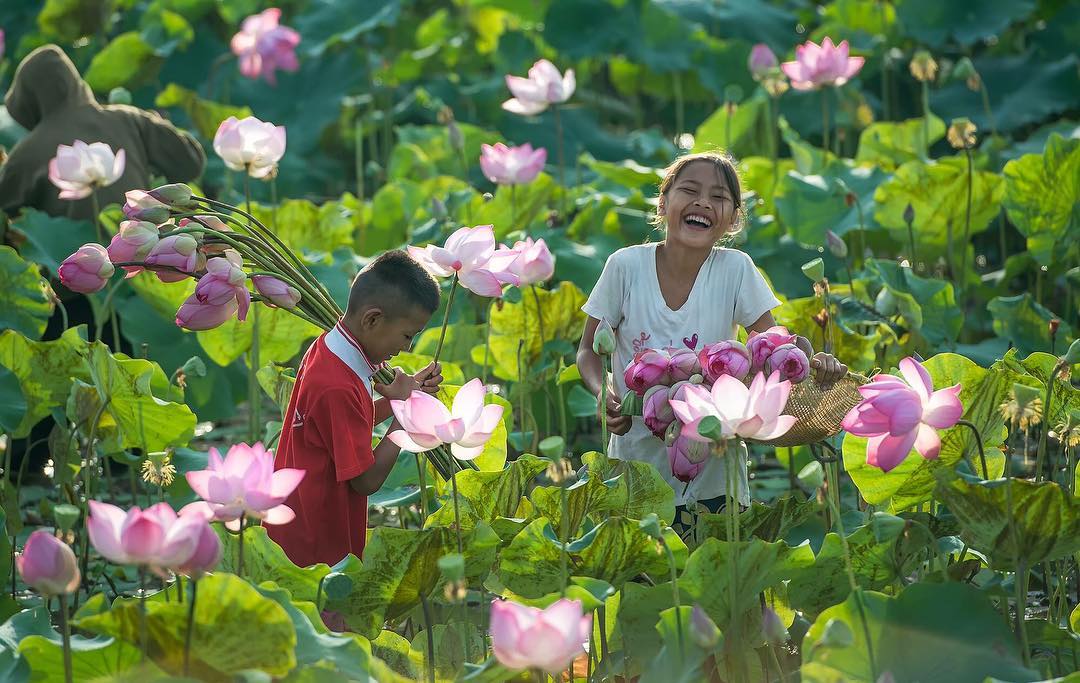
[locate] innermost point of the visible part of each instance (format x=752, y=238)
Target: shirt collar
x=341, y=343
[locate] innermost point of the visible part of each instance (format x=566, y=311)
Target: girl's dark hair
x=724, y=164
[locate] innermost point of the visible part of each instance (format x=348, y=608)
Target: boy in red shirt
x=328, y=424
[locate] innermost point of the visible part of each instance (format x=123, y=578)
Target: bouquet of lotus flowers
x=178, y=235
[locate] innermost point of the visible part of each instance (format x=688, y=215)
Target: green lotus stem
x=1041, y=454
x=986, y=107
x=97, y=216
x=142, y=613
x=774, y=142
x=99, y=324
x=487, y=346
x=731, y=513
x=446, y=318
x=926, y=118
x=1021, y=608
x=979, y=444
x=564, y=536
x=190, y=624
x=240, y=551
x=513, y=205
x=675, y=594
x=562, y=160
x=65, y=632
x=776, y=662
x=967, y=219
x=825, y=122
x=429, y=660
x=421, y=476
x=604, y=360
x=911, y=241
x=457, y=514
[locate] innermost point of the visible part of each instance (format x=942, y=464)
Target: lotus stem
x=240, y=550
x=979, y=444
x=457, y=515
x=825, y=122
x=604, y=360
x=967, y=220
x=446, y=318
x=562, y=159
x=926, y=118
x=675, y=594
x=564, y=536
x=142, y=612
x=190, y=625
x=429, y=660
x=1021, y=609
x=65, y=632
x=1045, y=422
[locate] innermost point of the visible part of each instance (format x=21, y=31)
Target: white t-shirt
x=727, y=292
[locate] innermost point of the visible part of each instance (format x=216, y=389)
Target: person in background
x=57, y=107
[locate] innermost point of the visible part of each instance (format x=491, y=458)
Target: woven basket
x=819, y=411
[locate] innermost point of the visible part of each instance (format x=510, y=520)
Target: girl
x=682, y=291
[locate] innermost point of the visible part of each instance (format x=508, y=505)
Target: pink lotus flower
x=762, y=60
x=817, y=66
x=724, y=358
x=790, y=361
x=511, y=165
x=426, y=423
x=896, y=415
x=81, y=168
x=470, y=252
x=687, y=457
x=140, y=205
x=87, y=270
x=534, y=262
x=648, y=369
x=544, y=86
x=275, y=291
x=245, y=484
x=263, y=46
x=133, y=243
x=179, y=252
x=225, y=280
x=208, y=549
x=196, y=315
x=656, y=411
x=529, y=638
x=748, y=413
x=760, y=345
x=250, y=145
x=48, y=565
x=155, y=537
x=683, y=364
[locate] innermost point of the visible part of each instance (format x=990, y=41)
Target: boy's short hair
x=391, y=280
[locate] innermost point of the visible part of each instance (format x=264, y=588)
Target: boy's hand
x=400, y=389
x=827, y=369
x=617, y=423
x=430, y=378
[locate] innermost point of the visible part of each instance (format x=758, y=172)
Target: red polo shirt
x=327, y=432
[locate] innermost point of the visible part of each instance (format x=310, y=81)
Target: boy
x=329, y=422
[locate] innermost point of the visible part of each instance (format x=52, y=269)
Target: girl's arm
x=592, y=372
x=827, y=369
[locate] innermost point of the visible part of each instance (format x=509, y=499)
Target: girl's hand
x=827, y=369
x=617, y=423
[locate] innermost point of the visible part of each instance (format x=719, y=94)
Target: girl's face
x=699, y=207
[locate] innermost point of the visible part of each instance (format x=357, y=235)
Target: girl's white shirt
x=728, y=292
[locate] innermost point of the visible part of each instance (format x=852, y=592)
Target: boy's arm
x=386, y=454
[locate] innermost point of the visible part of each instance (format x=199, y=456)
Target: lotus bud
x=1072, y=356
x=761, y=61
x=1052, y=326
x=87, y=270
x=909, y=214
x=173, y=194
x=963, y=69
x=812, y=475
x=457, y=139
x=836, y=244
x=703, y=630
x=814, y=270
x=438, y=209
x=790, y=361
x=275, y=291
x=961, y=133
x=604, y=339
x=119, y=95
x=923, y=67
x=48, y=565
x=772, y=628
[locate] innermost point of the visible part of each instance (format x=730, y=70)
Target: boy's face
x=698, y=206
x=385, y=335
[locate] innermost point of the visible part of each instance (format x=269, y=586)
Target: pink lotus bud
x=687, y=458
x=179, y=252
x=762, y=60
x=133, y=243
x=225, y=279
x=656, y=411
x=141, y=206
x=207, y=552
x=837, y=246
x=647, y=369
x=48, y=565
x=173, y=194
x=195, y=315
x=772, y=628
x=790, y=361
x=761, y=345
x=275, y=291
x=683, y=364
x=511, y=165
x=703, y=630
x=724, y=358
x=87, y=270
x=534, y=262
x=549, y=640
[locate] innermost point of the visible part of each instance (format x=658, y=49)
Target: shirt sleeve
x=343, y=425
x=754, y=297
x=606, y=300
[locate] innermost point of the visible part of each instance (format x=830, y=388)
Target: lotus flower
x=179, y=252
x=196, y=315
x=816, y=66
x=656, y=411
x=748, y=413
x=544, y=86
x=133, y=243
x=790, y=361
x=760, y=345
x=245, y=484
x=250, y=145
x=529, y=638
x=724, y=358
x=511, y=165
x=898, y=414
x=174, y=195
x=534, y=262
x=48, y=565
x=648, y=369
x=87, y=270
x=426, y=423
x=225, y=280
x=470, y=252
x=683, y=364
x=687, y=457
x=208, y=547
x=140, y=205
x=155, y=537
x=263, y=46
x=81, y=168
x=762, y=60
x=276, y=292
